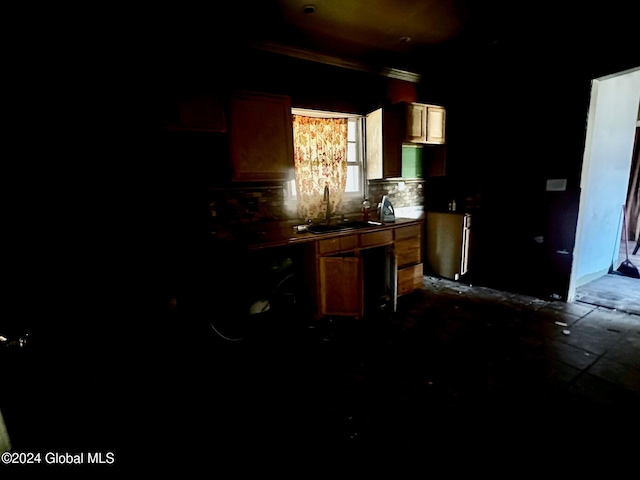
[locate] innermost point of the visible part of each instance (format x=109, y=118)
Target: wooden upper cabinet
x=424, y=123
x=202, y=112
x=261, y=137
x=416, y=123
x=384, y=143
x=435, y=124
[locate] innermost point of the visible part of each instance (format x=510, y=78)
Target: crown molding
x=337, y=61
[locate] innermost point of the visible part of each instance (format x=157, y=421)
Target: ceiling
x=368, y=31
x=409, y=35
x=394, y=33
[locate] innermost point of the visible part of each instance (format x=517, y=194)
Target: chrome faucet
x=325, y=198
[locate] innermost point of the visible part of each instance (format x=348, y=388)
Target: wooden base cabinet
x=351, y=273
x=340, y=264
x=335, y=276
x=341, y=286
x=408, y=249
x=409, y=279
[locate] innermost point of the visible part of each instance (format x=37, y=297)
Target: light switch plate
x=556, y=184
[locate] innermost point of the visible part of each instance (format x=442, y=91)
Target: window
x=354, y=156
x=355, y=152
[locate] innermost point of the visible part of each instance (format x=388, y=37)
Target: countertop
x=269, y=236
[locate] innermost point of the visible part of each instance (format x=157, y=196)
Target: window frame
x=358, y=120
x=360, y=155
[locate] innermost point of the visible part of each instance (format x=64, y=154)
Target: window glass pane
x=352, y=155
x=353, y=178
x=290, y=188
x=351, y=130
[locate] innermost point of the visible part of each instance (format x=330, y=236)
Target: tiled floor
x=456, y=363
x=613, y=291
x=457, y=369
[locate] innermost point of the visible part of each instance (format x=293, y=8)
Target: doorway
x=606, y=171
x=630, y=241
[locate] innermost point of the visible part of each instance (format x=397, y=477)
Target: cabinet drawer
x=409, y=251
x=409, y=279
x=373, y=239
x=407, y=232
x=337, y=244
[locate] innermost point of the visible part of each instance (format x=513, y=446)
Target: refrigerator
x=447, y=237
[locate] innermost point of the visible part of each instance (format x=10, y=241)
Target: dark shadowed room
x=251, y=234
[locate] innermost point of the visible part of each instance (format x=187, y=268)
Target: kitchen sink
x=339, y=227
x=322, y=228
x=360, y=224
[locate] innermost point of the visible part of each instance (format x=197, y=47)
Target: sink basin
x=327, y=228
x=360, y=224
x=339, y=227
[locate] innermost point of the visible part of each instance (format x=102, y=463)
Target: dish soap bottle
x=366, y=207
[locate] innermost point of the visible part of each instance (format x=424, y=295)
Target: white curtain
x=320, y=152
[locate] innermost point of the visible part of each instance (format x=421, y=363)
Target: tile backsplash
x=402, y=193
x=250, y=204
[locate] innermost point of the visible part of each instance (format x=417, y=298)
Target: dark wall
x=189, y=168
x=516, y=116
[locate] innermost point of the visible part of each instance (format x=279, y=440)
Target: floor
x=457, y=370
x=618, y=290
x=626, y=252
x=613, y=291
x=456, y=365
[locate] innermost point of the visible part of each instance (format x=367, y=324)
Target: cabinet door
x=436, y=159
x=261, y=137
x=424, y=123
x=409, y=279
x=416, y=123
x=435, y=124
x=202, y=112
x=384, y=143
x=341, y=286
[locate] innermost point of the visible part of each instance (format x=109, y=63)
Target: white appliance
x=447, y=243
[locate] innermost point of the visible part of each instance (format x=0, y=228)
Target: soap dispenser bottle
x=366, y=207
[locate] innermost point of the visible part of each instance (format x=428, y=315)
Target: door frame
x=592, y=166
